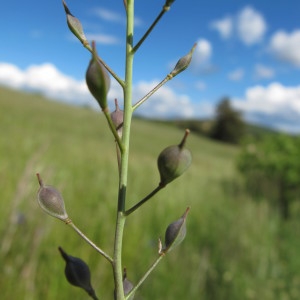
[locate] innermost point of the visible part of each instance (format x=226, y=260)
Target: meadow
x=236, y=247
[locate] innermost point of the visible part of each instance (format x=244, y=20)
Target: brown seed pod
x=173, y=161
x=51, y=201
x=117, y=117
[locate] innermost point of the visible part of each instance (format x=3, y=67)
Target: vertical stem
x=120, y=223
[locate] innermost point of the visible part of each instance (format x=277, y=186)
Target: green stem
x=141, y=101
x=149, y=196
x=113, y=129
x=152, y=267
x=137, y=46
x=69, y=222
x=121, y=218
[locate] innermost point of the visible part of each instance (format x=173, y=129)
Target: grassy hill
x=235, y=248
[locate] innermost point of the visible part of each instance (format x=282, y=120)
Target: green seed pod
x=117, y=118
x=78, y=273
x=51, y=201
x=75, y=25
x=98, y=80
x=173, y=161
x=183, y=63
x=175, y=233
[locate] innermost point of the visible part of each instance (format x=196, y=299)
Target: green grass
x=235, y=248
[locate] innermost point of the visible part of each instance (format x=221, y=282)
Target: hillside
x=235, y=247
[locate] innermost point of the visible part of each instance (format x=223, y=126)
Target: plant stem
x=69, y=222
x=121, y=218
x=152, y=267
x=137, y=46
x=141, y=202
x=141, y=101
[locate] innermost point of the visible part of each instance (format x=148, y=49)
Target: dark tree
x=228, y=125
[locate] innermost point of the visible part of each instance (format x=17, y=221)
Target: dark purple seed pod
x=117, y=117
x=78, y=273
x=173, y=161
x=51, y=201
x=175, y=233
x=98, y=80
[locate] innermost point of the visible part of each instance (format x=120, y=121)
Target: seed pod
x=173, y=161
x=117, y=118
x=183, y=63
x=75, y=25
x=175, y=233
x=78, y=273
x=127, y=286
x=168, y=3
x=98, y=80
x=51, y=201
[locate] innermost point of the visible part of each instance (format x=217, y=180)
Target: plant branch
x=152, y=267
x=104, y=254
x=141, y=202
x=113, y=129
x=162, y=12
x=141, y=101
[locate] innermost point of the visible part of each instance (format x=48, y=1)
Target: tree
x=272, y=168
x=228, y=126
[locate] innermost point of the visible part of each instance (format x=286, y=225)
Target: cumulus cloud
x=236, y=75
x=223, y=26
x=113, y=16
x=275, y=105
x=105, y=39
x=263, y=72
x=49, y=81
x=251, y=26
x=202, y=52
x=285, y=46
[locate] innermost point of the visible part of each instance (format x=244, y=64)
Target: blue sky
x=246, y=50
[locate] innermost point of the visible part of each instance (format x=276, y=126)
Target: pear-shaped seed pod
x=98, y=80
x=51, y=201
x=173, y=161
x=78, y=273
x=75, y=25
x=117, y=117
x=175, y=233
x=183, y=63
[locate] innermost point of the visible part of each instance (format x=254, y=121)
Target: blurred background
x=240, y=98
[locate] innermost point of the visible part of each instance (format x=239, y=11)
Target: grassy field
x=235, y=248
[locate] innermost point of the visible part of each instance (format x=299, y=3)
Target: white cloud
x=114, y=17
x=109, y=15
x=251, y=26
x=263, y=72
x=165, y=102
x=286, y=46
x=49, y=81
x=236, y=75
x=200, y=85
x=223, y=26
x=105, y=39
x=274, y=104
x=201, y=57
